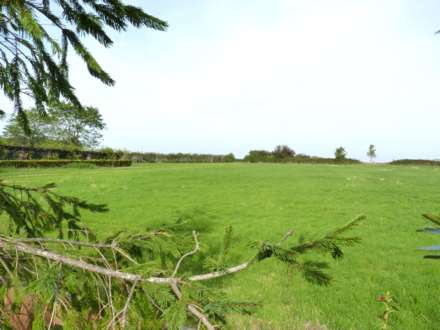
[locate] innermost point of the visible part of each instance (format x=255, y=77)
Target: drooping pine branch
x=36, y=35
x=29, y=216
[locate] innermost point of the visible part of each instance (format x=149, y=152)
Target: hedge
x=12, y=152
x=415, y=162
x=61, y=163
x=152, y=157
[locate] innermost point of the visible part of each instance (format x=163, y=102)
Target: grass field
x=263, y=201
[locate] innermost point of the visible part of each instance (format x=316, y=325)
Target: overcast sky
x=230, y=76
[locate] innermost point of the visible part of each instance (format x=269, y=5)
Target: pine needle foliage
x=219, y=262
x=313, y=271
x=28, y=216
x=35, y=38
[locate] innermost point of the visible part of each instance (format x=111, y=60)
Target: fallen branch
x=25, y=248
x=124, y=275
x=172, y=281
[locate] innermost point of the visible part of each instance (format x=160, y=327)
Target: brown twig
x=110, y=298
x=52, y=316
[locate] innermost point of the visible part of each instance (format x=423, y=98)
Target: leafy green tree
x=371, y=152
x=340, y=154
x=255, y=156
x=79, y=127
x=14, y=133
x=36, y=35
x=229, y=158
x=63, y=124
x=283, y=152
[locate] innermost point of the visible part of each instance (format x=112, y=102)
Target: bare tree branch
x=24, y=248
x=210, y=276
x=196, y=248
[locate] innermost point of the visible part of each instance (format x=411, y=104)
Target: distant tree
x=62, y=125
x=283, y=152
x=79, y=127
x=371, y=152
x=340, y=154
x=229, y=158
x=255, y=156
x=14, y=133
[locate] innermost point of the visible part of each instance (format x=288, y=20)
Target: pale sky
x=235, y=75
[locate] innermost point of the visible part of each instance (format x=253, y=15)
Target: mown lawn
x=263, y=201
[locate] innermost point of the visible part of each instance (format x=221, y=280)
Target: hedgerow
x=63, y=163
x=415, y=162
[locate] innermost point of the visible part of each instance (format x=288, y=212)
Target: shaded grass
x=263, y=201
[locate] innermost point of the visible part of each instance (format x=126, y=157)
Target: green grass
x=263, y=201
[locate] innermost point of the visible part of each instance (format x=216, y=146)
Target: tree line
x=62, y=125
x=66, y=127
x=285, y=154
x=12, y=149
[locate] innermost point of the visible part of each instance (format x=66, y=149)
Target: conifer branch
x=33, y=59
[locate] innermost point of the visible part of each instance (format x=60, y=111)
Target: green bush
x=63, y=163
x=257, y=156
